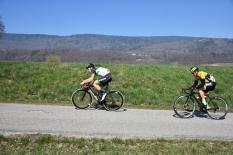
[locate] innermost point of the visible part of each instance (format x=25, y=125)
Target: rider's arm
x=194, y=84
x=90, y=79
x=201, y=84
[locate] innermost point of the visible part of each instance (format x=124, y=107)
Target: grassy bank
x=149, y=85
x=45, y=144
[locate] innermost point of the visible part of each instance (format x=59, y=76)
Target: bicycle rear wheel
x=81, y=99
x=218, y=108
x=113, y=101
x=184, y=106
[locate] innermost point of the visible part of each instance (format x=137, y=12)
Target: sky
x=197, y=18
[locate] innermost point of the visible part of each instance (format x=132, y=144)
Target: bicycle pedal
x=204, y=110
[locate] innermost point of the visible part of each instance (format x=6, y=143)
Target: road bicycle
x=83, y=98
x=185, y=105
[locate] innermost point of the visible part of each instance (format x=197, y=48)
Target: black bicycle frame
x=194, y=99
x=91, y=90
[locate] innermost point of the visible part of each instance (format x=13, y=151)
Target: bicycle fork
x=185, y=106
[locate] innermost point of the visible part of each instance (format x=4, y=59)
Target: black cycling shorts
x=105, y=80
x=210, y=87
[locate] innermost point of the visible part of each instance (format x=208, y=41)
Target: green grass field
x=46, y=144
x=143, y=85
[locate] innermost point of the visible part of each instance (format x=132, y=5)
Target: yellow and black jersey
x=205, y=78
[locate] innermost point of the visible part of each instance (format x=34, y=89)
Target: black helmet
x=193, y=69
x=90, y=65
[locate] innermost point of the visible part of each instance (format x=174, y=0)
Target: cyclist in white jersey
x=104, y=77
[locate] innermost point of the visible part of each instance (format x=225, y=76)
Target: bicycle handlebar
x=188, y=91
x=86, y=86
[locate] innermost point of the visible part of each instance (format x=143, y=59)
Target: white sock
x=204, y=101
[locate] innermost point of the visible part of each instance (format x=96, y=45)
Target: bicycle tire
x=81, y=99
x=218, y=108
x=184, y=106
x=113, y=101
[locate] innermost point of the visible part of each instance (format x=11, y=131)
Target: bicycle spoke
x=81, y=99
x=113, y=101
x=83, y=96
x=218, y=108
x=184, y=106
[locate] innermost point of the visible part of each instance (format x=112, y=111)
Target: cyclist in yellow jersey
x=207, y=84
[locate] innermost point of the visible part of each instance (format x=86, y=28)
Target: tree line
x=2, y=27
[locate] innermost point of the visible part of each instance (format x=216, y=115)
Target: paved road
x=146, y=124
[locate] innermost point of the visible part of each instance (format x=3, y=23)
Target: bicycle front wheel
x=184, y=106
x=81, y=99
x=218, y=108
x=113, y=101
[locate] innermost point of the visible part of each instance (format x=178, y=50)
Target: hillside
x=31, y=82
x=115, y=49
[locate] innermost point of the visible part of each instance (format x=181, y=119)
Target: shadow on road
x=197, y=114
x=101, y=107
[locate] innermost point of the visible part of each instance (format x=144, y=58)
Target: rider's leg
x=96, y=85
x=101, y=91
x=202, y=94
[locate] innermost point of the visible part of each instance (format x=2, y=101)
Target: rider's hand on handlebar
x=82, y=83
x=192, y=88
x=188, y=90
